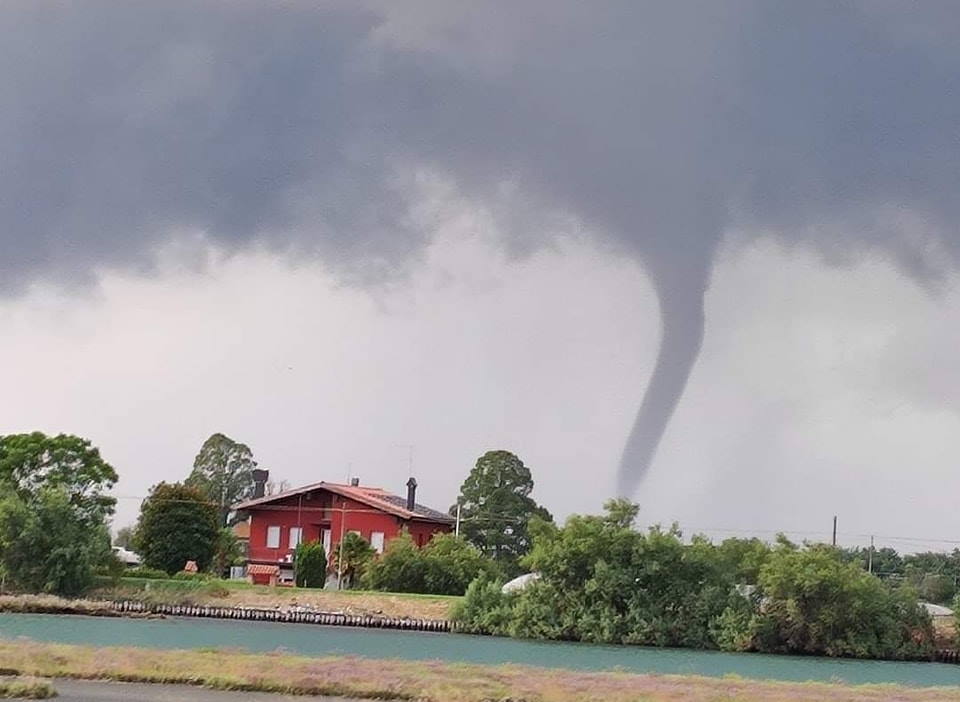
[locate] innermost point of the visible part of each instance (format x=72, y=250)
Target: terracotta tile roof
x=372, y=496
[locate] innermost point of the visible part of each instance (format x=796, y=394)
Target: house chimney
x=412, y=494
x=260, y=482
x=354, y=482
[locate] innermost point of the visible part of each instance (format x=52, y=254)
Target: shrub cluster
x=603, y=581
x=310, y=565
x=146, y=573
x=445, y=566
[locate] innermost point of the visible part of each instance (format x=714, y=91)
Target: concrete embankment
x=292, y=616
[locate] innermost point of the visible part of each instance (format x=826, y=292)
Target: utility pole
x=343, y=518
x=834, y=530
x=870, y=556
x=457, y=531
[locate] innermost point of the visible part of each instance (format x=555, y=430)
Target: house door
x=325, y=538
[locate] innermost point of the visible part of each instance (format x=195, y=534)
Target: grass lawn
x=227, y=593
x=429, y=681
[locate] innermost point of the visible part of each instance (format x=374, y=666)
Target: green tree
x=310, y=564
x=228, y=552
x=743, y=558
x=445, y=566
x=452, y=564
x=47, y=545
x=401, y=568
x=30, y=463
x=814, y=603
x=177, y=524
x=351, y=558
x=223, y=471
x=603, y=581
x=496, y=508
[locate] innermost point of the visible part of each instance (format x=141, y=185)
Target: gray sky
x=330, y=230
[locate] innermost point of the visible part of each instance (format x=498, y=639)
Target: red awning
x=257, y=569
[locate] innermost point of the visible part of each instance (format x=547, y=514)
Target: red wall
x=312, y=517
x=357, y=516
x=422, y=532
x=259, y=522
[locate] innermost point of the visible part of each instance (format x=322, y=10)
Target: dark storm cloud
x=657, y=125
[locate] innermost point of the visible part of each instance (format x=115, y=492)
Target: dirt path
x=97, y=691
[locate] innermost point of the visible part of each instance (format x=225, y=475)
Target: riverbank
x=431, y=681
x=292, y=614
x=233, y=593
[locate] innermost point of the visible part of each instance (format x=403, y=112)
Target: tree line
x=601, y=580
x=55, y=512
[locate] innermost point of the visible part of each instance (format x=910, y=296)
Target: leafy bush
x=602, y=581
x=401, y=567
x=310, y=565
x=485, y=609
x=46, y=545
x=813, y=603
x=445, y=566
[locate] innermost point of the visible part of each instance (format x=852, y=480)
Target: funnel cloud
x=656, y=128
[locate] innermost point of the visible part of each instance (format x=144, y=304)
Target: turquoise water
x=316, y=640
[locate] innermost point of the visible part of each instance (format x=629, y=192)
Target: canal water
x=313, y=640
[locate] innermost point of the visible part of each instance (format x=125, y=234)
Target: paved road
x=90, y=691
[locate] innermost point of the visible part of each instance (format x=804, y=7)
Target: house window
x=296, y=535
x=376, y=540
x=273, y=537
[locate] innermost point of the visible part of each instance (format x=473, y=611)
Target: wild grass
x=430, y=681
x=26, y=688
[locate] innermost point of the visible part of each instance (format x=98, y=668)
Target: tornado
x=681, y=324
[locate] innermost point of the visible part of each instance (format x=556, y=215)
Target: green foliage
x=603, y=581
x=223, y=471
x=934, y=587
x=445, y=566
x=485, y=609
x=742, y=559
x=48, y=545
x=148, y=573
x=31, y=463
x=310, y=565
x=814, y=603
x=401, y=567
x=228, y=552
x=496, y=508
x=177, y=524
x=351, y=558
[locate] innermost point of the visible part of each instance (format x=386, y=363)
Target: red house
x=325, y=512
